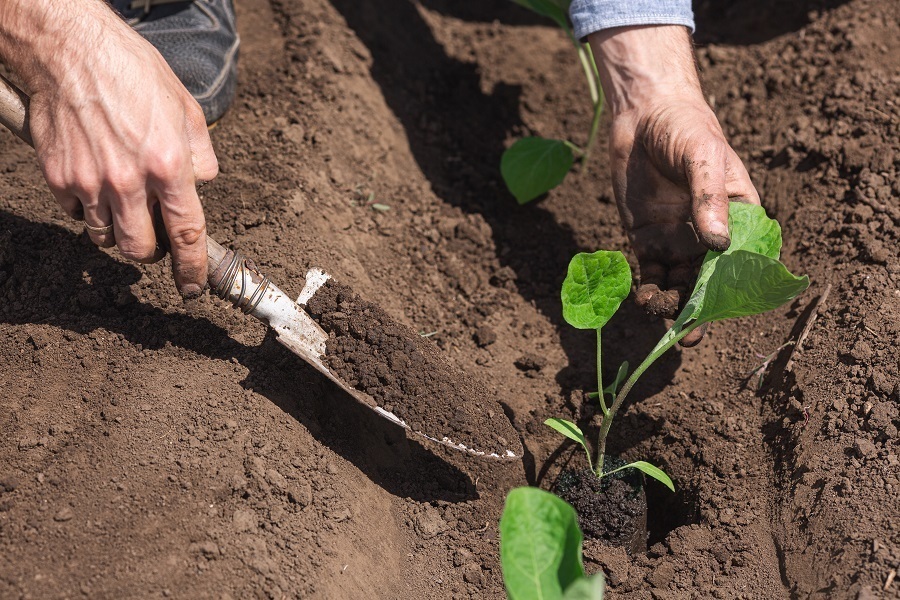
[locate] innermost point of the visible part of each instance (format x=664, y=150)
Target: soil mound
x=407, y=375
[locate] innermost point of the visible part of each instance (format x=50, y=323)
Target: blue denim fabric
x=589, y=16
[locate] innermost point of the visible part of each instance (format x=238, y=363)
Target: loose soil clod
x=612, y=509
x=406, y=374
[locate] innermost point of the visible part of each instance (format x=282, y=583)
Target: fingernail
x=716, y=238
x=190, y=291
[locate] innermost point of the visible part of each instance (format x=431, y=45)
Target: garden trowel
x=235, y=278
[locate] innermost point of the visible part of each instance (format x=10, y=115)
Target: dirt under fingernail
x=714, y=241
x=191, y=291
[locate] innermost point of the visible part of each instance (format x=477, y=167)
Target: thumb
x=705, y=171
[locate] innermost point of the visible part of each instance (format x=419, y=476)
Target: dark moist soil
x=155, y=449
x=407, y=375
x=612, y=509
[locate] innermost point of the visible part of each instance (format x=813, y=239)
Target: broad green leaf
x=622, y=373
x=533, y=166
x=540, y=545
x=594, y=287
x=588, y=588
x=557, y=10
x=750, y=230
x=745, y=283
x=571, y=431
x=649, y=470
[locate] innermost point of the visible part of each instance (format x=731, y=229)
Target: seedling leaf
x=533, y=166
x=613, y=388
x=594, y=287
x=588, y=588
x=745, y=283
x=571, y=431
x=649, y=470
x=750, y=230
x=540, y=545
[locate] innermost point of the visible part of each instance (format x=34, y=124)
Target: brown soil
x=408, y=376
x=612, y=510
x=152, y=448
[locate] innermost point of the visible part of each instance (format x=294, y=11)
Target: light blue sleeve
x=589, y=16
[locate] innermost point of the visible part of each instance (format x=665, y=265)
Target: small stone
x=530, y=362
x=301, y=494
x=64, y=514
x=662, y=576
x=473, y=574
x=862, y=351
x=865, y=448
x=429, y=523
x=485, y=336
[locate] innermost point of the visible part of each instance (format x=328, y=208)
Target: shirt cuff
x=589, y=16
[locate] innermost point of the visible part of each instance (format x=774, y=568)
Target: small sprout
x=381, y=207
x=533, y=166
x=744, y=280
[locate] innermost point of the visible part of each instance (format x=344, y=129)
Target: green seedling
x=747, y=279
x=540, y=549
x=533, y=166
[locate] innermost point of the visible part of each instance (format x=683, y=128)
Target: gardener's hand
x=115, y=130
x=673, y=171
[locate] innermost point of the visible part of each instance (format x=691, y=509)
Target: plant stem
x=600, y=378
x=672, y=337
x=595, y=127
x=590, y=70
x=596, y=91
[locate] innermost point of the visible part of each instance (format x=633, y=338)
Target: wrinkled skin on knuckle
x=187, y=234
x=124, y=181
x=138, y=250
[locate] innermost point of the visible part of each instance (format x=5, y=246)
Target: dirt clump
x=407, y=375
x=612, y=509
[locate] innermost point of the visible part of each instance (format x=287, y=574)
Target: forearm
x=42, y=41
x=643, y=64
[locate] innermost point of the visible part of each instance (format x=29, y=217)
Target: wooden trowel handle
x=14, y=116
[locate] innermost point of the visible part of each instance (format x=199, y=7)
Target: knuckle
x=136, y=249
x=195, y=114
x=124, y=180
x=168, y=164
x=56, y=179
x=187, y=234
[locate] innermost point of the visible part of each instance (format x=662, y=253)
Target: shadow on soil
x=50, y=275
x=457, y=133
x=745, y=22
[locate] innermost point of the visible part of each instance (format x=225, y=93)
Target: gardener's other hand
x=673, y=171
x=115, y=131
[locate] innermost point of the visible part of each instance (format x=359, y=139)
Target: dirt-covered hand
x=673, y=171
x=115, y=130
